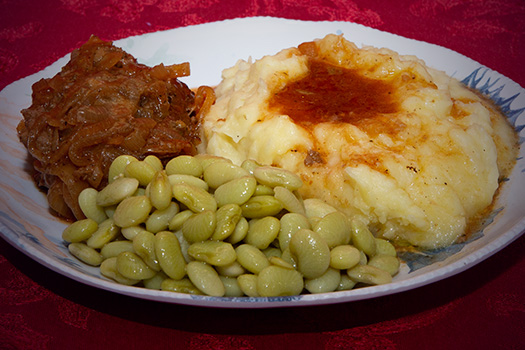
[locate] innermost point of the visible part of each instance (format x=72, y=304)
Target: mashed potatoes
x=412, y=151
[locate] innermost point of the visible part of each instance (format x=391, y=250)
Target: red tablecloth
x=482, y=308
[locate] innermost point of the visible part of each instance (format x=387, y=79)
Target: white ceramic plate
x=26, y=223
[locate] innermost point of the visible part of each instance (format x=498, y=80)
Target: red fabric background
x=482, y=308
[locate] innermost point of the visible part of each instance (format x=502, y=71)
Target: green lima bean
x=203, y=225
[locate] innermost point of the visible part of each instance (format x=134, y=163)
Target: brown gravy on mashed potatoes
x=410, y=150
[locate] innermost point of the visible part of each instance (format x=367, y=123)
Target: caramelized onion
x=56, y=201
x=204, y=99
x=101, y=105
